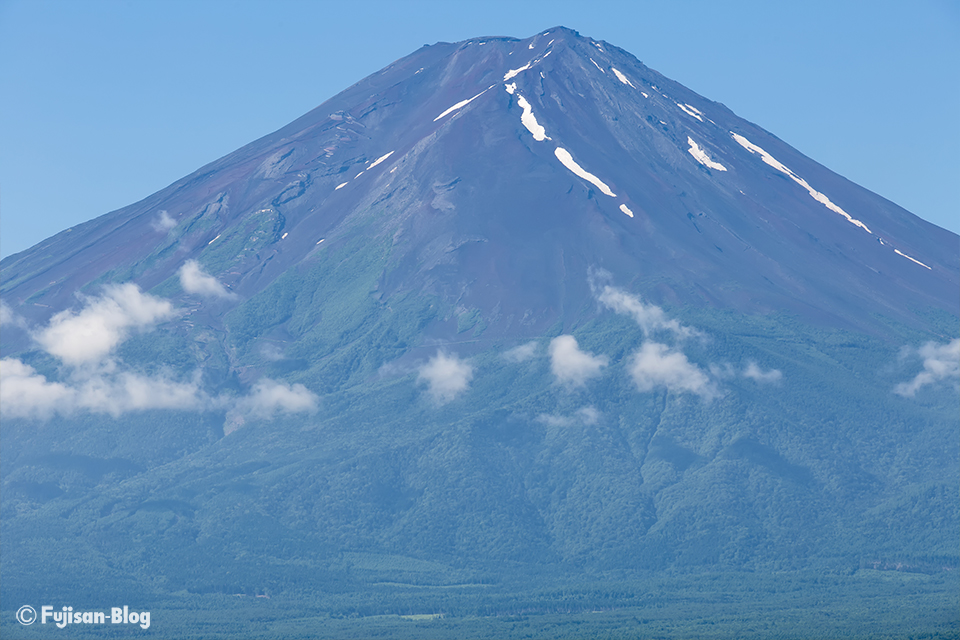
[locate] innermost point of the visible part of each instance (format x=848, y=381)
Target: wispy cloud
x=754, y=372
x=88, y=336
x=163, y=222
x=940, y=362
x=268, y=398
x=10, y=318
x=194, y=280
x=585, y=415
x=446, y=377
x=571, y=366
x=650, y=317
x=522, y=353
x=657, y=365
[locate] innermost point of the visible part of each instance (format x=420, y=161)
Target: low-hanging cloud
x=195, y=280
x=754, y=372
x=446, y=377
x=268, y=398
x=522, y=353
x=163, y=222
x=10, y=318
x=650, y=317
x=94, y=381
x=24, y=393
x=657, y=365
x=88, y=336
x=570, y=365
x=587, y=416
x=940, y=362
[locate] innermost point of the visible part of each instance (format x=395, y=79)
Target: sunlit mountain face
x=510, y=325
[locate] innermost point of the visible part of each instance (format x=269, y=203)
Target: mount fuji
x=509, y=328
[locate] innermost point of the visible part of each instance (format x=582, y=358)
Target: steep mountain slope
x=506, y=311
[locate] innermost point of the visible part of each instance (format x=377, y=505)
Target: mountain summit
x=484, y=160
x=505, y=309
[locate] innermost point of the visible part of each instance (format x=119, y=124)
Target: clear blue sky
x=104, y=102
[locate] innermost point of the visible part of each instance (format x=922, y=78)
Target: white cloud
x=89, y=336
x=126, y=391
x=97, y=383
x=556, y=420
x=585, y=415
x=446, y=377
x=656, y=365
x=572, y=366
x=27, y=394
x=650, y=317
x=940, y=362
x=10, y=318
x=522, y=353
x=163, y=222
x=24, y=393
x=588, y=415
x=194, y=280
x=269, y=397
x=754, y=372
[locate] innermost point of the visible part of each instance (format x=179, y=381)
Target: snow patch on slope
x=702, y=156
x=622, y=78
x=690, y=111
x=567, y=160
x=909, y=258
x=514, y=72
x=461, y=104
x=530, y=121
x=381, y=159
x=816, y=195
x=626, y=210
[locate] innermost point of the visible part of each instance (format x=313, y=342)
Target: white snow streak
x=284, y=236
x=530, y=121
x=461, y=104
x=564, y=156
x=909, y=258
x=816, y=195
x=690, y=111
x=513, y=72
x=644, y=94
x=510, y=87
x=214, y=240
x=622, y=77
x=382, y=158
x=596, y=65
x=341, y=185
x=702, y=156
x=626, y=210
